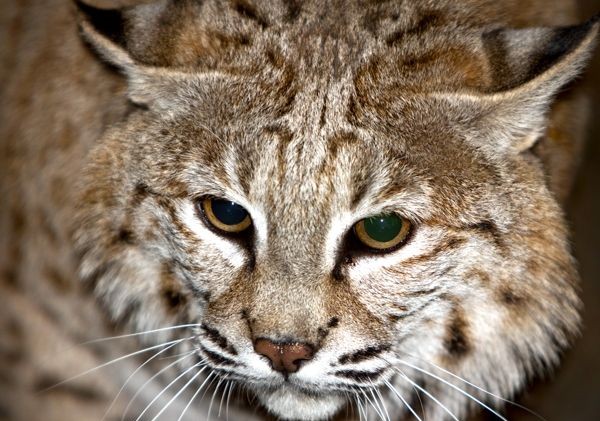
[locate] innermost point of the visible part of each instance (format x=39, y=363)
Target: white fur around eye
x=339, y=226
x=231, y=251
x=420, y=243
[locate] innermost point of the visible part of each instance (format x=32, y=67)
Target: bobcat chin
x=329, y=207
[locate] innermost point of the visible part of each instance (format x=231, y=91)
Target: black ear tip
x=108, y=22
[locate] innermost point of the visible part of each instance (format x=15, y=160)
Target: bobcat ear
x=148, y=86
x=529, y=67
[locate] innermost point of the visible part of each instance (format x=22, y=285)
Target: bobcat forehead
x=322, y=203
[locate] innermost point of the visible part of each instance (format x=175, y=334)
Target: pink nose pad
x=284, y=357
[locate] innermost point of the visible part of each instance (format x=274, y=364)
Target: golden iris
x=383, y=231
x=226, y=215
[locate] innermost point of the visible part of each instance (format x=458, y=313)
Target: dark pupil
x=383, y=228
x=229, y=213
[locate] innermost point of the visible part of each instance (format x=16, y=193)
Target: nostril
x=294, y=354
x=271, y=350
x=284, y=357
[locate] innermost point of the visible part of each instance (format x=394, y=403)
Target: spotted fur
x=460, y=116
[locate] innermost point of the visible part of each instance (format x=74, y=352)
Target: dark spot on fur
x=456, y=341
x=294, y=8
x=10, y=278
x=125, y=236
x=171, y=290
x=509, y=297
x=333, y=322
x=248, y=11
x=174, y=299
x=322, y=333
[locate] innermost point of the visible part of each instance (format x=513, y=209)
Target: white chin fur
x=289, y=404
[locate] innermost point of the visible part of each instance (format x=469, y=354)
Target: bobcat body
x=312, y=116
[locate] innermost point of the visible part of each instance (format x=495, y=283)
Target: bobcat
x=340, y=209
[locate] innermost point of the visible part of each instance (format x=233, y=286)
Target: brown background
x=573, y=392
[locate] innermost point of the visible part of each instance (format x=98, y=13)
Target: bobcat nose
x=285, y=357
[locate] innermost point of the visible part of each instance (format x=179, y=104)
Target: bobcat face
x=294, y=306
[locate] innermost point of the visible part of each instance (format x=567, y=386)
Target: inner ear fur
x=162, y=89
x=528, y=67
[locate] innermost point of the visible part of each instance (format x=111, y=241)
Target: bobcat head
x=345, y=203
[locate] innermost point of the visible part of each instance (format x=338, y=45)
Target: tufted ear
x=529, y=67
x=162, y=89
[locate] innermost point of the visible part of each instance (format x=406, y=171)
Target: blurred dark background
x=573, y=392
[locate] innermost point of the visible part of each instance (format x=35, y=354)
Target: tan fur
x=311, y=115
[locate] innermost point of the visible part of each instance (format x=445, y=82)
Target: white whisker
x=149, y=380
x=395, y=392
x=194, y=396
x=146, y=332
x=487, y=392
x=233, y=385
x=213, y=397
x=91, y=370
x=458, y=389
x=135, y=372
x=374, y=405
x=227, y=384
x=185, y=386
x=362, y=415
x=377, y=397
x=404, y=376
x=166, y=388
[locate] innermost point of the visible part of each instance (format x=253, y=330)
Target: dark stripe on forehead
x=251, y=155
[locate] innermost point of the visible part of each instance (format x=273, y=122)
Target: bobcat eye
x=226, y=215
x=382, y=232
